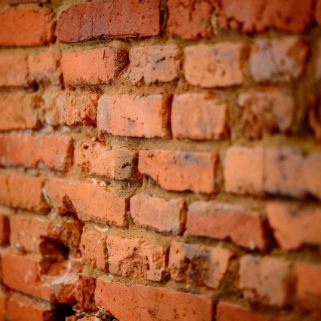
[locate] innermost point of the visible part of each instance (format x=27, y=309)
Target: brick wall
x=160, y=160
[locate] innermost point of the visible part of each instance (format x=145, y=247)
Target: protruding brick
x=94, y=250
x=3, y=304
x=167, y=217
x=271, y=110
x=4, y=230
x=31, y=150
x=308, y=285
x=89, y=202
x=199, y=116
x=127, y=115
x=44, y=68
x=198, y=264
x=180, y=171
x=218, y=65
x=100, y=20
x=139, y=302
x=154, y=64
x=226, y=221
x=26, y=28
x=264, y=279
x=22, y=192
x=86, y=294
x=92, y=67
x=136, y=258
x=278, y=60
x=95, y=158
x=13, y=70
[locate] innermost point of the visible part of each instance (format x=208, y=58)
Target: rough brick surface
x=226, y=221
x=26, y=28
x=86, y=294
x=264, y=279
x=127, y=115
x=14, y=70
x=218, y=65
x=271, y=110
x=198, y=264
x=199, y=117
x=135, y=258
x=278, y=60
x=22, y=192
x=89, y=21
x=94, y=250
x=180, y=171
x=317, y=12
x=155, y=64
x=167, y=217
x=78, y=198
x=3, y=303
x=4, y=229
x=29, y=151
x=147, y=303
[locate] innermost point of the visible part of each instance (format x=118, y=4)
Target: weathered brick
x=95, y=158
x=271, y=110
x=136, y=258
x=317, y=12
x=318, y=55
x=89, y=202
x=198, y=264
x=100, y=20
x=308, y=285
x=71, y=108
x=3, y=303
x=4, y=230
x=226, y=221
x=259, y=15
x=180, y=171
x=94, y=249
x=26, y=28
x=278, y=60
x=199, y=116
x=218, y=65
x=139, y=302
x=86, y=294
x=30, y=150
x=22, y=192
x=311, y=180
x=44, y=68
x=92, y=67
x=155, y=64
x=167, y=217
x=127, y=115
x=13, y=70
x=264, y=279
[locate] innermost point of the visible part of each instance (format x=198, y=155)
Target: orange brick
x=86, y=294
x=136, y=258
x=180, y=171
x=148, y=303
x=4, y=230
x=3, y=303
x=14, y=70
x=317, y=12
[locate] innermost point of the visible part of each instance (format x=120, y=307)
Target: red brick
x=314, y=111
x=101, y=20
x=127, y=115
x=264, y=279
x=271, y=110
x=22, y=192
x=26, y=28
x=259, y=15
x=71, y=108
x=167, y=217
x=308, y=285
x=198, y=264
x=23, y=308
x=278, y=60
x=180, y=171
x=14, y=70
x=136, y=258
x=155, y=64
x=95, y=158
x=89, y=202
x=146, y=303
x=312, y=175
x=30, y=150
x=86, y=294
x=318, y=55
x=44, y=68
x=94, y=249
x=3, y=303
x=199, y=116
x=317, y=12
x=92, y=67
x=218, y=65
x=226, y=222
x=4, y=230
